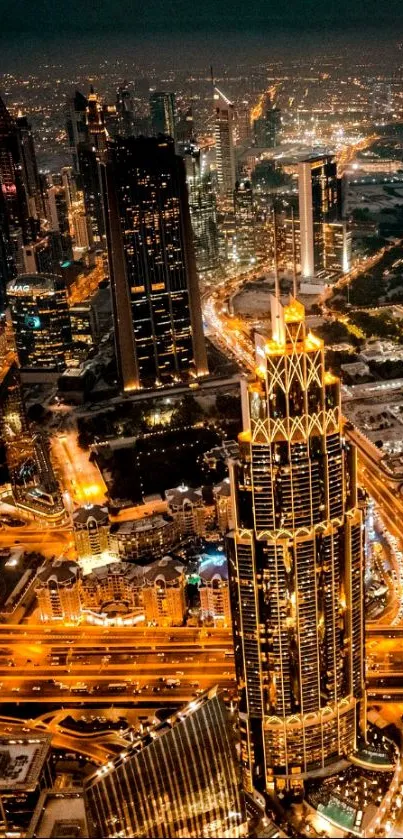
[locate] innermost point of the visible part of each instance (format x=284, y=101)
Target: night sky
x=59, y=17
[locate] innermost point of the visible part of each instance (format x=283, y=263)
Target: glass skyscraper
x=41, y=320
x=319, y=204
x=156, y=300
x=295, y=564
x=181, y=780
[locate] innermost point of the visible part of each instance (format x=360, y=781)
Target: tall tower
x=224, y=143
x=162, y=111
x=156, y=301
x=296, y=564
x=319, y=204
x=14, y=198
x=76, y=125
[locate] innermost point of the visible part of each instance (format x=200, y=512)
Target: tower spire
x=294, y=262
x=276, y=280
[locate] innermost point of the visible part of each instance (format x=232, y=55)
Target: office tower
x=156, y=302
x=164, y=592
x=57, y=211
x=202, y=206
x=90, y=153
x=82, y=230
x=41, y=320
x=267, y=127
x=27, y=768
x=69, y=182
x=76, y=125
x=57, y=588
x=244, y=222
x=124, y=110
x=214, y=591
x=242, y=122
x=224, y=143
x=30, y=172
x=84, y=329
x=91, y=531
x=296, y=565
x=337, y=241
x=181, y=780
x=16, y=228
x=319, y=204
x=185, y=139
x=162, y=112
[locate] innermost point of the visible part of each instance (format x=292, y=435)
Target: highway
x=104, y=665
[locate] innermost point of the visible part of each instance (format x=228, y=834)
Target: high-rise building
x=17, y=226
x=57, y=588
x=41, y=320
x=76, y=125
x=319, y=204
x=162, y=111
x=296, y=565
x=224, y=143
x=267, y=127
x=30, y=172
x=244, y=222
x=181, y=780
x=89, y=152
x=156, y=301
x=202, y=206
x=57, y=211
x=125, y=110
x=337, y=241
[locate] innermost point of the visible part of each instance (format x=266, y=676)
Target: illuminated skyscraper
x=89, y=153
x=244, y=222
x=16, y=223
x=224, y=143
x=162, y=111
x=76, y=125
x=41, y=320
x=202, y=205
x=30, y=169
x=319, y=204
x=296, y=564
x=181, y=780
x=156, y=301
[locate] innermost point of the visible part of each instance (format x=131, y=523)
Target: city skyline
x=201, y=402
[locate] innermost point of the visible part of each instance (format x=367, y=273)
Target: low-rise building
x=114, y=588
x=164, y=592
x=58, y=590
x=214, y=591
x=190, y=509
x=91, y=531
x=223, y=506
x=151, y=536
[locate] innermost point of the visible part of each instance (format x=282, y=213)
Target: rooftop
x=89, y=512
x=59, y=814
x=59, y=571
x=22, y=757
x=33, y=284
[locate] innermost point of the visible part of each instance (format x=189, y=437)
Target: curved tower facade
x=296, y=564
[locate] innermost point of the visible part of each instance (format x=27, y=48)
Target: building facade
x=214, y=591
x=41, y=320
x=151, y=536
x=164, y=592
x=91, y=530
x=296, y=565
x=156, y=301
x=58, y=591
x=181, y=780
x=319, y=204
x=162, y=112
x=224, y=143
